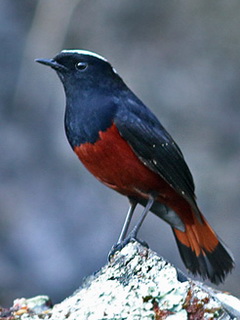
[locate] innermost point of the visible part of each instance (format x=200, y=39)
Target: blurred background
x=57, y=223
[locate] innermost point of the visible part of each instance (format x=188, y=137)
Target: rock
x=138, y=284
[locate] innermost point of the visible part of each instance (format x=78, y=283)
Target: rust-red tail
x=203, y=252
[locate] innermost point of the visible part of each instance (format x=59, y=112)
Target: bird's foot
x=119, y=246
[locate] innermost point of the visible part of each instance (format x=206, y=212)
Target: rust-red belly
x=113, y=162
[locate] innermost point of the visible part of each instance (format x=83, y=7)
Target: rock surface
x=137, y=284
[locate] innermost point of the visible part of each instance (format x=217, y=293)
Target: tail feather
x=202, y=252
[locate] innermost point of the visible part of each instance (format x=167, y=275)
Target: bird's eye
x=81, y=66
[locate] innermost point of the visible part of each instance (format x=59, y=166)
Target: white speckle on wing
x=114, y=70
x=154, y=161
x=85, y=52
x=165, y=144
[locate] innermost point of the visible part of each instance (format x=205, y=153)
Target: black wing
x=155, y=147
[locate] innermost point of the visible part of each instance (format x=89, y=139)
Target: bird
x=124, y=145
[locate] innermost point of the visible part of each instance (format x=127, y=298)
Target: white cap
x=85, y=52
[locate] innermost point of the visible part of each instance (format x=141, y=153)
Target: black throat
x=87, y=113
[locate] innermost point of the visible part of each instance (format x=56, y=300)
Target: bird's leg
x=127, y=221
x=133, y=234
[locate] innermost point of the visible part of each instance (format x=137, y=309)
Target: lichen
x=136, y=285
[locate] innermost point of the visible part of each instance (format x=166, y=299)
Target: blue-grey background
x=182, y=58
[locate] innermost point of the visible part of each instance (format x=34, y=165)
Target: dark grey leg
x=127, y=221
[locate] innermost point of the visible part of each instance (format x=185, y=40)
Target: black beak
x=52, y=63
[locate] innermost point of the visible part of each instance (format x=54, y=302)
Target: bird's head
x=74, y=66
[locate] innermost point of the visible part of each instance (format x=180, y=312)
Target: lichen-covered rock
x=137, y=284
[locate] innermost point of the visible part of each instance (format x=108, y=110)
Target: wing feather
x=155, y=148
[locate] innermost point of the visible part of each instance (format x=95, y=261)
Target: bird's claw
x=119, y=246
